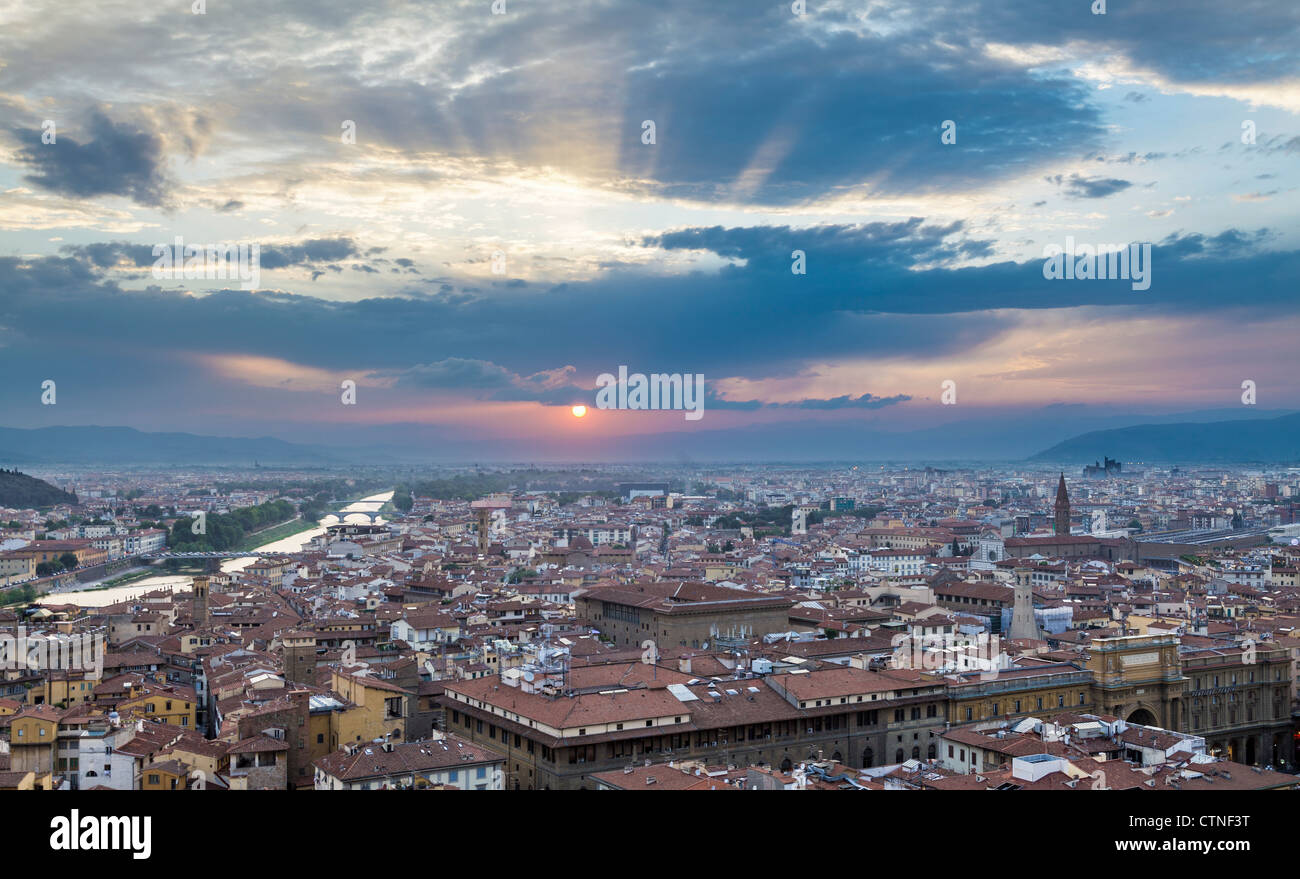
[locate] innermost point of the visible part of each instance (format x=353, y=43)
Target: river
x=88, y=596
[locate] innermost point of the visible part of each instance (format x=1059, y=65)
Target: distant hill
x=1265, y=440
x=126, y=445
x=24, y=492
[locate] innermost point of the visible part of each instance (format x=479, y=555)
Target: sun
x=579, y=411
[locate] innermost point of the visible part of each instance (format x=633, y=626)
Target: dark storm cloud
x=490, y=381
x=1078, y=186
x=750, y=102
x=847, y=401
x=865, y=401
x=747, y=125
x=113, y=159
x=901, y=244
x=862, y=298
x=1190, y=41
x=278, y=256
x=747, y=98
x=273, y=256
x=111, y=253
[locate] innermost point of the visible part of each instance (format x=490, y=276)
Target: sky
x=472, y=210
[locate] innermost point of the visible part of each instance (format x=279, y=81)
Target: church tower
x=200, y=614
x=1062, y=525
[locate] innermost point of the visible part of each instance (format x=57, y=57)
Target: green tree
x=402, y=499
x=68, y=560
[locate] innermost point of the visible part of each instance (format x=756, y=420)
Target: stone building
x=675, y=614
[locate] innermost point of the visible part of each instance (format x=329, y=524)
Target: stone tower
x=1023, y=624
x=299, y=658
x=1062, y=524
x=201, y=618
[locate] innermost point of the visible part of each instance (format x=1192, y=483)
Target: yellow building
x=66, y=688
x=167, y=775
x=33, y=739
x=16, y=568
x=378, y=709
x=137, y=696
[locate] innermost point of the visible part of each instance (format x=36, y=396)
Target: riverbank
x=257, y=539
x=287, y=537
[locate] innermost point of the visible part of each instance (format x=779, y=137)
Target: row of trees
x=219, y=531
x=402, y=499
x=65, y=562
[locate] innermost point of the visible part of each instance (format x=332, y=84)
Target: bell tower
x=200, y=601
x=1062, y=523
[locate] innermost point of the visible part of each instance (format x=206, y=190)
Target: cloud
x=490, y=381
x=116, y=159
x=846, y=401
x=1078, y=186
x=870, y=289
x=273, y=256
x=278, y=256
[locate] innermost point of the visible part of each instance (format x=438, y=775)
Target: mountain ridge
x=1241, y=441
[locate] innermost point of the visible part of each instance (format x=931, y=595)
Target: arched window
x=933, y=752
x=868, y=759
x=786, y=765
x=898, y=756
x=916, y=753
